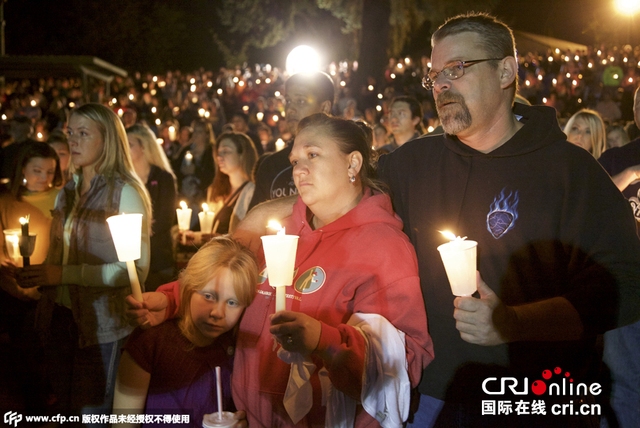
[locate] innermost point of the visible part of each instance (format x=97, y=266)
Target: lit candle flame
x=273, y=224
x=205, y=207
x=24, y=220
x=451, y=236
x=188, y=156
x=183, y=205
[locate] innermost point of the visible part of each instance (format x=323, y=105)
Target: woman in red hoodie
x=352, y=259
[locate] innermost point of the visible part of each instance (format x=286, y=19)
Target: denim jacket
x=98, y=309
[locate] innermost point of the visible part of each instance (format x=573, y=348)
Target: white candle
x=280, y=255
x=184, y=220
x=459, y=259
x=188, y=158
x=279, y=144
x=126, y=231
x=206, y=219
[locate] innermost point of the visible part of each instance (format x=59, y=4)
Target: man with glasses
x=557, y=250
x=405, y=120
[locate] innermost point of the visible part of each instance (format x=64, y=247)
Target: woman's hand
x=148, y=313
x=39, y=276
x=296, y=332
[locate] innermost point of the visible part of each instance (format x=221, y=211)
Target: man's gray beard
x=456, y=122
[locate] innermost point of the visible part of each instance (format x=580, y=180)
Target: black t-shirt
x=274, y=178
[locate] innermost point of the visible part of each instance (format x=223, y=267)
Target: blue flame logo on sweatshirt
x=503, y=213
x=311, y=280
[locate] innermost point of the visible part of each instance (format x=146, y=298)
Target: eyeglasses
x=454, y=70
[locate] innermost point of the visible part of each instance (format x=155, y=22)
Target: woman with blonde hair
x=153, y=168
x=232, y=189
x=586, y=129
x=83, y=285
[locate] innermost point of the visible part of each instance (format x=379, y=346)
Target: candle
x=459, y=259
x=126, y=231
x=219, y=391
x=280, y=255
x=279, y=144
x=206, y=219
x=172, y=133
x=12, y=239
x=184, y=220
x=188, y=158
x=27, y=244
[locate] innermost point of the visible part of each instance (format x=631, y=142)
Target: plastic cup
x=213, y=420
x=459, y=259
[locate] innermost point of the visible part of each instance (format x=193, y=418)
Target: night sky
x=42, y=27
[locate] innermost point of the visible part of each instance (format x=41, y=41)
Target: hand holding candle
x=280, y=255
x=459, y=258
x=184, y=220
x=126, y=231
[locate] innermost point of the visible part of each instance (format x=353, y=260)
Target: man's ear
x=509, y=71
x=325, y=107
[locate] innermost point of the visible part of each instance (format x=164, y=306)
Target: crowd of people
x=467, y=140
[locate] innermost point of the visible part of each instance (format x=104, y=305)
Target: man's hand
x=148, y=313
x=39, y=276
x=296, y=332
x=482, y=321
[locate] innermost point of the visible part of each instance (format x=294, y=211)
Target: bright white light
x=544, y=100
x=539, y=76
x=400, y=66
x=577, y=58
x=207, y=114
x=192, y=81
x=33, y=103
x=557, y=50
x=40, y=135
x=302, y=58
x=257, y=81
x=370, y=87
x=276, y=94
x=590, y=65
x=245, y=108
x=4, y=117
x=527, y=82
x=259, y=115
x=568, y=75
x=113, y=100
x=235, y=80
x=160, y=141
x=241, y=83
x=343, y=83
x=194, y=100
x=72, y=104
x=407, y=60
x=275, y=118
x=209, y=84
x=192, y=88
x=615, y=76
x=267, y=80
x=153, y=92
x=627, y=7
x=155, y=78
x=158, y=121
x=430, y=129
x=550, y=59
x=575, y=83
x=153, y=110
x=393, y=76
x=120, y=112
x=380, y=96
x=555, y=81
x=604, y=62
x=220, y=91
x=131, y=97
x=379, y=108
